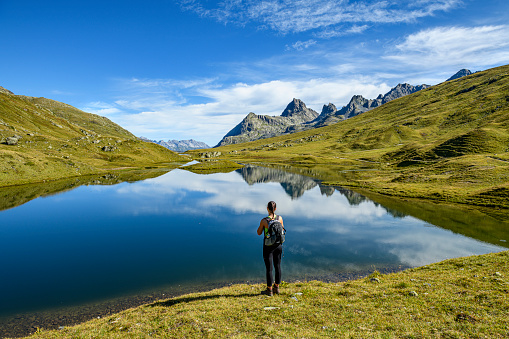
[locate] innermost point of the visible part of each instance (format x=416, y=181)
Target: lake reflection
x=99, y=242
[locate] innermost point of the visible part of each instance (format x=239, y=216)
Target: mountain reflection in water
x=295, y=185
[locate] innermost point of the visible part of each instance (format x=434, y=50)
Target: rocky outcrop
x=254, y=127
x=12, y=140
x=207, y=155
x=108, y=148
x=4, y=90
x=179, y=145
x=460, y=74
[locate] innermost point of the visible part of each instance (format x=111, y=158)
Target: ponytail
x=271, y=206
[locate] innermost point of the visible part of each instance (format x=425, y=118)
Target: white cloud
x=481, y=46
x=159, y=115
x=287, y=16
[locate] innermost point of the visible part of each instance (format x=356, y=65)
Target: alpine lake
x=82, y=248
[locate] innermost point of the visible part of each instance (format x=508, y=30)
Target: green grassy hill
x=42, y=139
x=448, y=142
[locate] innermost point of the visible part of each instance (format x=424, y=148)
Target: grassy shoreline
x=457, y=298
x=23, y=324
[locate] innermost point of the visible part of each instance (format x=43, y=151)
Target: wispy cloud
x=101, y=108
x=337, y=32
x=291, y=16
x=481, y=46
x=301, y=45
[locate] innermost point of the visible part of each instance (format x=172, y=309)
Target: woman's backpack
x=275, y=233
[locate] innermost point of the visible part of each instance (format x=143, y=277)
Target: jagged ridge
x=297, y=117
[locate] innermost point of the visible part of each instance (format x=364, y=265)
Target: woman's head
x=271, y=206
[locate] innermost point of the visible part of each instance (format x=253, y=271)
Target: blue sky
x=195, y=68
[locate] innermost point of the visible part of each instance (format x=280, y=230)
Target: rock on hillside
x=255, y=127
x=179, y=145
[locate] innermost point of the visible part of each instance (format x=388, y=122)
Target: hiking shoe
x=267, y=292
x=275, y=289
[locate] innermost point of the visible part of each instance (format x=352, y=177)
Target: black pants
x=272, y=254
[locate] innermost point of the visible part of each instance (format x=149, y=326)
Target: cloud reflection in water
x=351, y=230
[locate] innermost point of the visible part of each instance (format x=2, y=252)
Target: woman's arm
x=261, y=227
x=281, y=221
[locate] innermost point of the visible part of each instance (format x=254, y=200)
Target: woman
x=271, y=254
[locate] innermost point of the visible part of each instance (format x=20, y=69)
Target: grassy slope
x=457, y=298
x=449, y=142
x=61, y=141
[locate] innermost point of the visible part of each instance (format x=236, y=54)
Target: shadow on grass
x=179, y=300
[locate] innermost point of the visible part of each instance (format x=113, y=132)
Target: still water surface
x=100, y=242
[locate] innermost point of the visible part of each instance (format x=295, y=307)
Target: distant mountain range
x=179, y=145
x=297, y=117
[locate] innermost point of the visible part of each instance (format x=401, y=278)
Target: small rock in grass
x=11, y=141
x=413, y=294
x=375, y=280
x=465, y=317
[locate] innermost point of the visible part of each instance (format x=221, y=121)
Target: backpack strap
x=269, y=219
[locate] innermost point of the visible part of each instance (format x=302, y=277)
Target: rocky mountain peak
x=461, y=73
x=401, y=90
x=295, y=106
x=357, y=99
x=329, y=109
